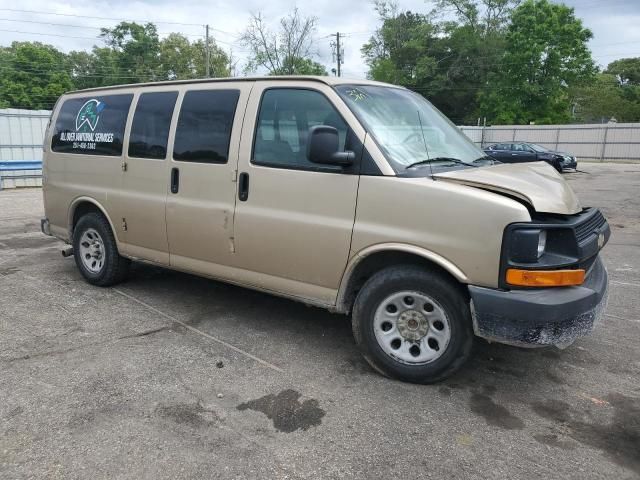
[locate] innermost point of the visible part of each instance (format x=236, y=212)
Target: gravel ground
x=173, y=376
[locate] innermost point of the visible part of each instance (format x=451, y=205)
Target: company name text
x=86, y=137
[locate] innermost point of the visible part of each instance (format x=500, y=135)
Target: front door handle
x=175, y=180
x=243, y=187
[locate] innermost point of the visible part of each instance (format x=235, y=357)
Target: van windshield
x=414, y=136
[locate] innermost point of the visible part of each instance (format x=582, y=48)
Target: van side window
x=151, y=123
x=92, y=125
x=284, y=120
x=204, y=126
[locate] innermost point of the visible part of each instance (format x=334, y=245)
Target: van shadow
x=318, y=334
x=212, y=305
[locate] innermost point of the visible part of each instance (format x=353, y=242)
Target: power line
x=49, y=34
x=496, y=61
x=116, y=19
x=100, y=18
x=85, y=27
x=126, y=75
x=97, y=37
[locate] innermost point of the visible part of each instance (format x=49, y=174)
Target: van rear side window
x=92, y=125
x=204, y=127
x=151, y=123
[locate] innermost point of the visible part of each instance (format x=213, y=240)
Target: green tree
x=484, y=16
x=287, y=51
x=97, y=68
x=446, y=61
x=134, y=53
x=627, y=70
x=32, y=75
x=300, y=66
x=476, y=43
x=137, y=49
x=403, y=50
x=607, y=98
x=546, y=56
x=181, y=59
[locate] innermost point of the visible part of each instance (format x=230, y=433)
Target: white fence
x=22, y=131
x=21, y=134
x=596, y=143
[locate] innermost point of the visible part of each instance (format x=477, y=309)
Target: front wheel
x=558, y=166
x=96, y=253
x=413, y=324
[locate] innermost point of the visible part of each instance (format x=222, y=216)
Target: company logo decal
x=89, y=115
x=87, y=119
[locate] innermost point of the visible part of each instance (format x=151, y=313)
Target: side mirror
x=323, y=145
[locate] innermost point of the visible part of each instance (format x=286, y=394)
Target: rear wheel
x=96, y=253
x=413, y=324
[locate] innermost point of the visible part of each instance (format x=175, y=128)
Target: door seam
x=232, y=236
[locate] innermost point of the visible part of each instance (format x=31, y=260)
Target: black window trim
x=128, y=137
x=320, y=168
x=233, y=119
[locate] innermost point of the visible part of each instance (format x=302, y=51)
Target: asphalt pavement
x=174, y=376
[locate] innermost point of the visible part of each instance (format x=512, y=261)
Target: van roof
x=321, y=79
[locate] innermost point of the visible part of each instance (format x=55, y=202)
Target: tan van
x=355, y=196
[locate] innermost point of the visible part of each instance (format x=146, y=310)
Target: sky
x=614, y=23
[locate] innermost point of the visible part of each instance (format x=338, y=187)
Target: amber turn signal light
x=545, y=278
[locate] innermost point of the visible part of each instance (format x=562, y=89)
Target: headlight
x=528, y=245
x=542, y=242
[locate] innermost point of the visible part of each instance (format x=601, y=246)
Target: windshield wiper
x=428, y=161
x=487, y=158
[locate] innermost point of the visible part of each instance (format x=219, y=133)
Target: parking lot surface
x=174, y=376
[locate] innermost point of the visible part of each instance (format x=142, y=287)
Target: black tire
x=558, y=166
x=115, y=267
x=447, y=293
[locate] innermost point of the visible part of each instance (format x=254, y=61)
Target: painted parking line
x=626, y=284
x=198, y=331
x=633, y=320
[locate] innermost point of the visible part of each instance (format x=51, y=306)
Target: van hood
x=536, y=183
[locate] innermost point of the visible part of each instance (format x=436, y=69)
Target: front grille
x=589, y=226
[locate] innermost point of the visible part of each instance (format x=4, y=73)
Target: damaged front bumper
x=540, y=317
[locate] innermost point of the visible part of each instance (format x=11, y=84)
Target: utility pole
x=338, y=53
x=207, y=53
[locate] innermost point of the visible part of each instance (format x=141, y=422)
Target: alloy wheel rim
x=412, y=328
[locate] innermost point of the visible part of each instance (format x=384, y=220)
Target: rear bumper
x=540, y=317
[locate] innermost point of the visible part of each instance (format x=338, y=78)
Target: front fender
x=360, y=256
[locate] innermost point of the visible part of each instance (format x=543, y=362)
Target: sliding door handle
x=175, y=180
x=243, y=187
